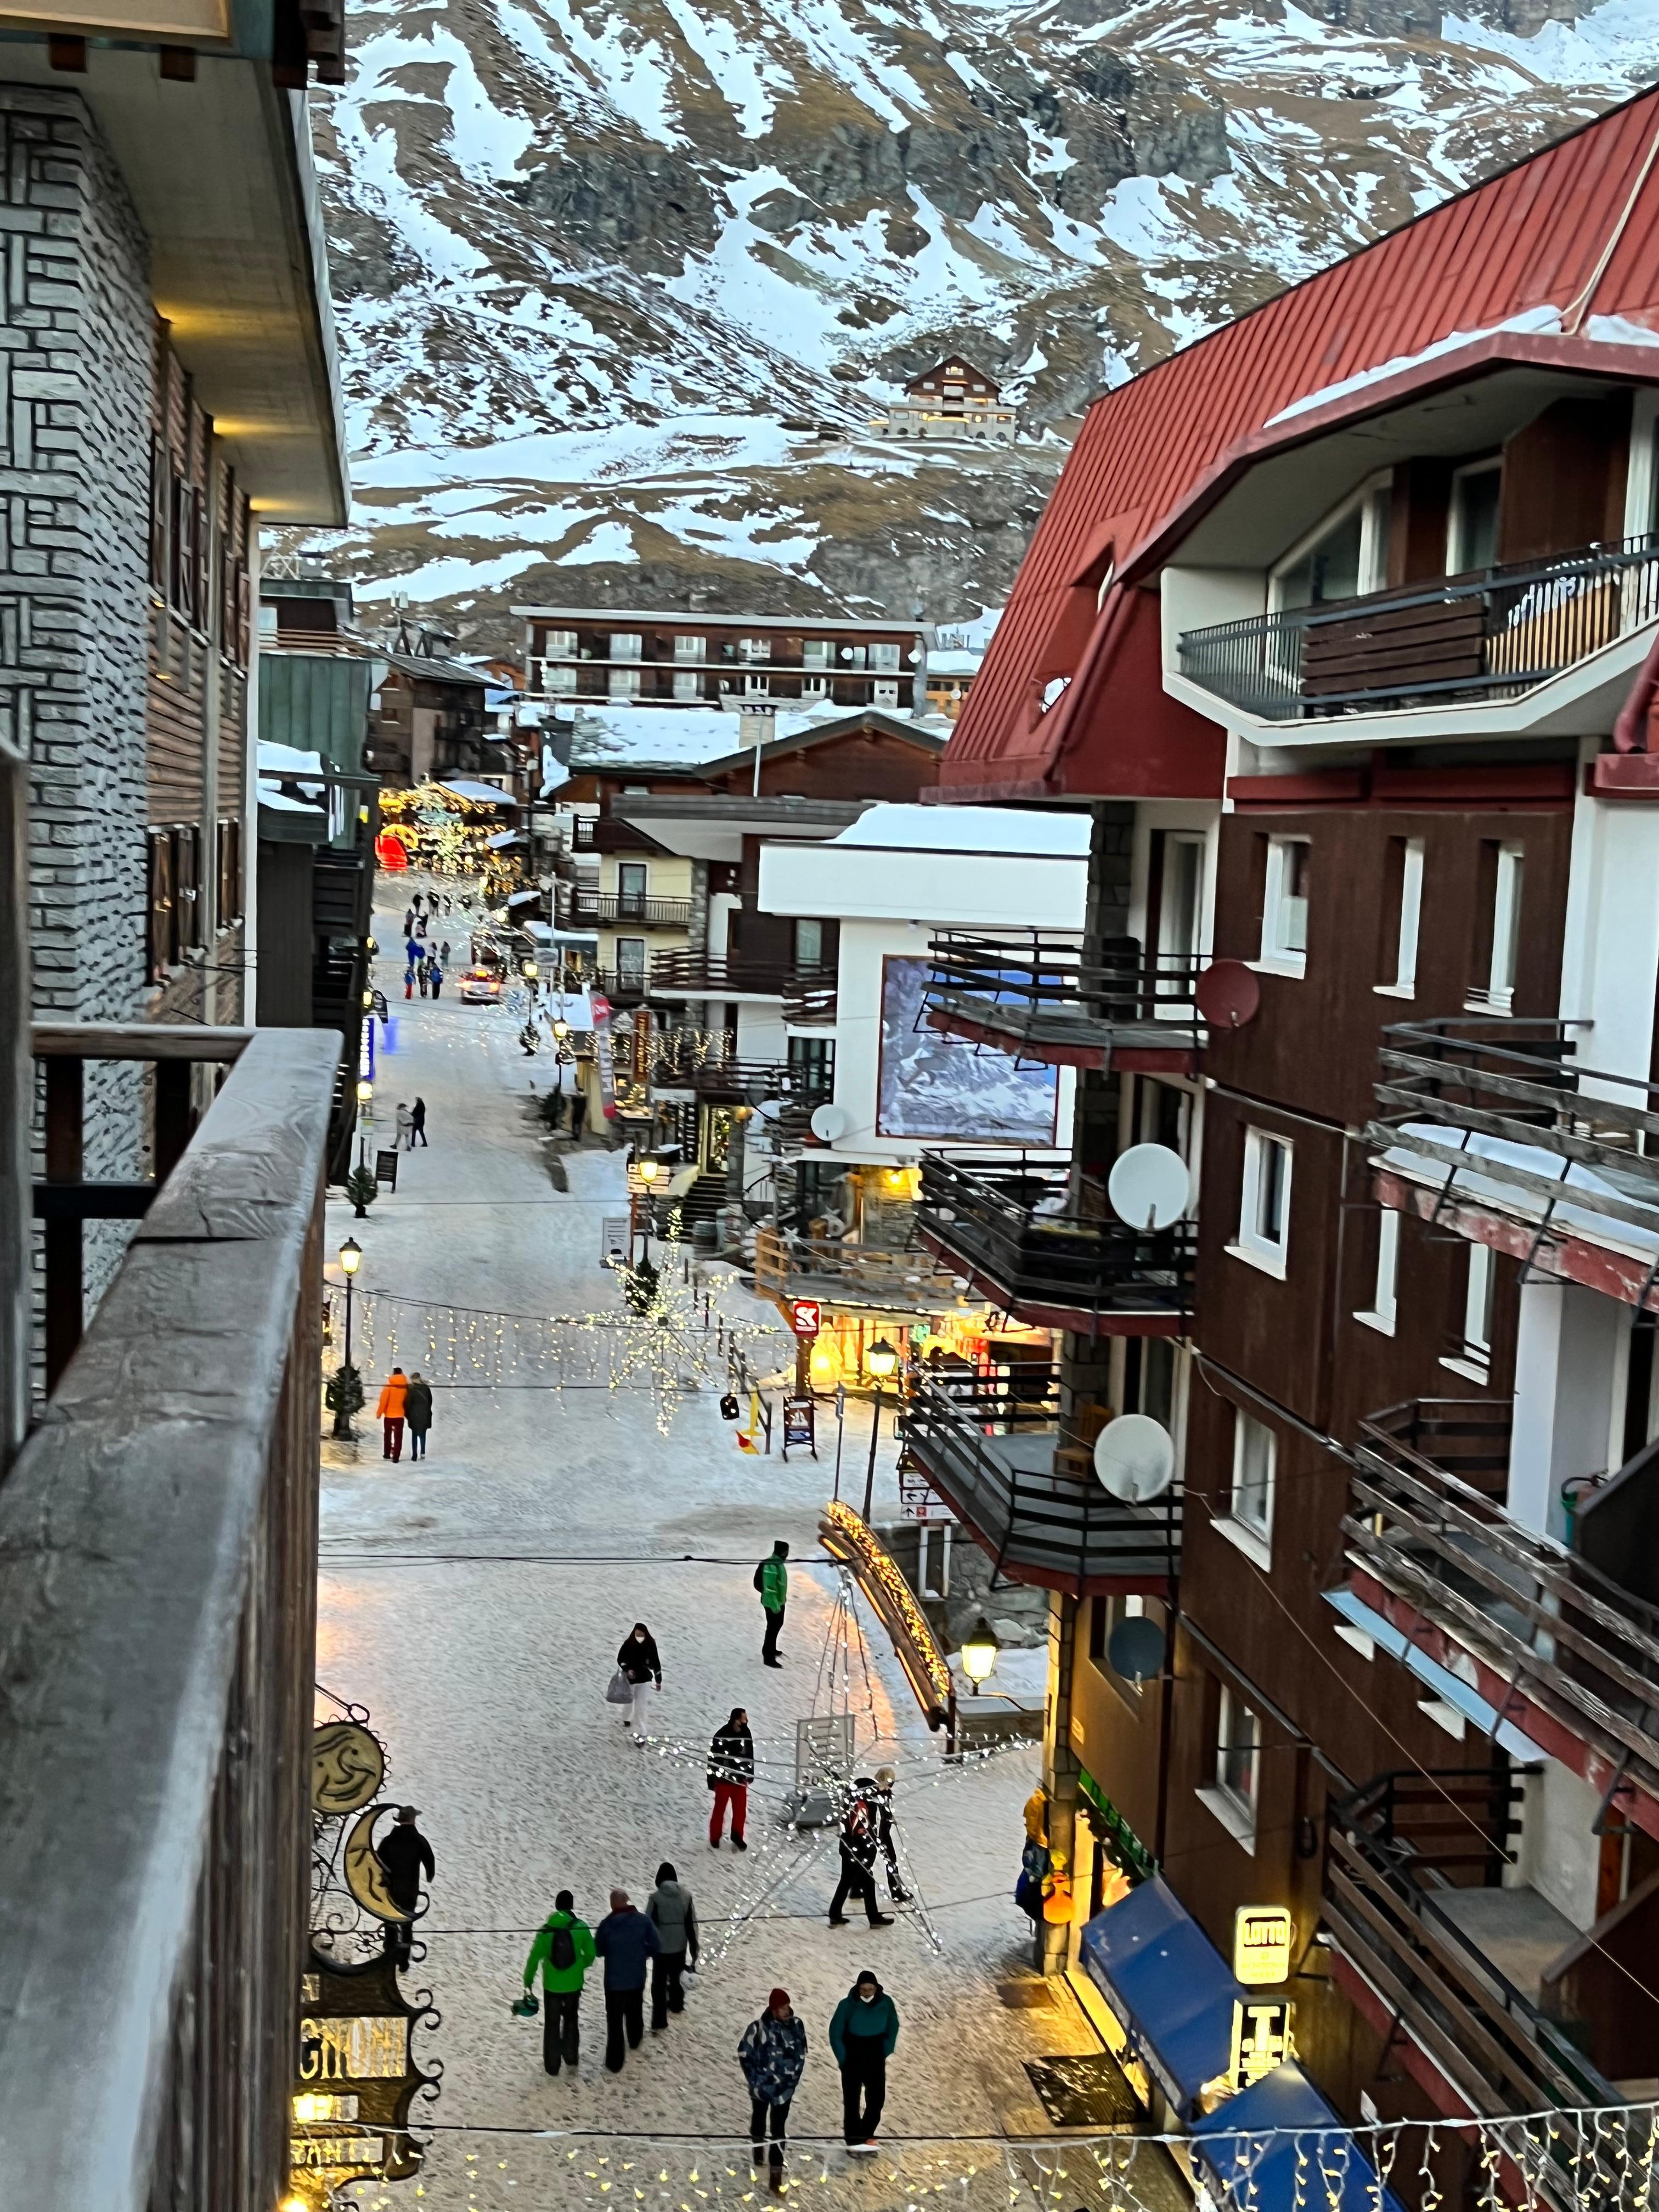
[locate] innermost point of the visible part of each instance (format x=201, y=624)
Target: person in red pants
x=731, y=1771
x=393, y=1404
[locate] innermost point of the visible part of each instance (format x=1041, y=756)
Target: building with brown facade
x=953, y=399
x=664, y=657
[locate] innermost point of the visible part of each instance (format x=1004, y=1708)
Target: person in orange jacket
x=394, y=1397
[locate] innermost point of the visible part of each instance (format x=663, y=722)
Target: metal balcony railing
x=157, y=1568
x=689, y=974
x=995, y=1448
x=623, y=907
x=1018, y=1232
x=1402, y=1852
x=1033, y=992
x=1500, y=1107
x=724, y=1080
x=1490, y=635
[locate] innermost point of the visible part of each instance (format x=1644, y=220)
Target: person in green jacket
x=564, y=1949
x=772, y=1581
x=863, y=2030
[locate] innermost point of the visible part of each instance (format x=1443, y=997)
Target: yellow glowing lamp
x=560, y=1031
x=824, y=1363
x=528, y=971
x=365, y=1092
x=351, y=1256
x=881, y=1359
x=368, y=1002
x=979, y=1652
x=649, y=1170
x=1262, y=1936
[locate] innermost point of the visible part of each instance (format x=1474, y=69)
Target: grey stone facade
x=77, y=347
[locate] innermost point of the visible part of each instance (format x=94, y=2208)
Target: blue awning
x=1168, y=1987
x=1310, y=2157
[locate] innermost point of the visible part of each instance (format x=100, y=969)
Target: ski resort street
x=474, y=1601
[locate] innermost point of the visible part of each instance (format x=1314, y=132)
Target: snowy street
x=475, y=1601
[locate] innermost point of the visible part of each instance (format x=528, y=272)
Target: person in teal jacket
x=863, y=2030
x=772, y=1581
x=564, y=1949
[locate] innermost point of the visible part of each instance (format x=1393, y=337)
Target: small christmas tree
x=640, y=1287
x=362, y=1189
x=344, y=1397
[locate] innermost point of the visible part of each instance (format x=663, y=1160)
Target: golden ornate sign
x=366, y=1877
x=347, y=1768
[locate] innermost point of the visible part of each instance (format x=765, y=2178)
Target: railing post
x=172, y=1114
x=63, y=1239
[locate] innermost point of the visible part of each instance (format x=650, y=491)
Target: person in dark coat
x=638, y=1661
x=628, y=1942
x=772, y=2054
x=670, y=1911
x=862, y=2033
x=731, y=1771
x=417, y=1125
x=435, y=969
x=858, y=1846
x=417, y=1413
x=404, y=1852
x=881, y=1806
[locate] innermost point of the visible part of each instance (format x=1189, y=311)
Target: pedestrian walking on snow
x=404, y=1852
x=390, y=1411
x=857, y=1864
x=417, y=1123
x=409, y=980
x=731, y=1771
x=772, y=1581
x=404, y=1121
x=881, y=1810
x=417, y=1412
x=443, y=952
x=638, y=1661
x=564, y=1949
x=672, y=1914
x=773, y=2055
x=423, y=974
x=437, y=974
x=627, y=1941
x=863, y=2031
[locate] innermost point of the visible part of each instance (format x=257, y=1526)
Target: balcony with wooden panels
x=621, y=909
x=1031, y=993
x=860, y=1278
x=1027, y=1246
x=693, y=975
x=1020, y=1477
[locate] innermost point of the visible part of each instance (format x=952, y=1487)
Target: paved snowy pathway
x=485, y=1675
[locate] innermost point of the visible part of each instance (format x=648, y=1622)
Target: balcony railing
x=1488, y=636
x=1032, y=992
x=1017, y=1233
x=623, y=907
x=809, y=999
x=1413, y=1901
x=843, y=1274
x=726, y=1080
x=689, y=974
x=157, y=1562
x=1550, y=1631
x=995, y=1448
x=1499, y=1110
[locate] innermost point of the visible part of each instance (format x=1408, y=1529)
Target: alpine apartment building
x=660, y=657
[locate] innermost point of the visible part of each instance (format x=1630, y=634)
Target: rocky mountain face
x=620, y=289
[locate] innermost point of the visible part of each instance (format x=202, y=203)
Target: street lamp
x=351, y=1258
x=365, y=1093
x=365, y=1100
x=560, y=1031
x=649, y=1170
x=979, y=1652
x=528, y=971
x=882, y=1361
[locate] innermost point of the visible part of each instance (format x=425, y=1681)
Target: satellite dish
x=830, y=1122
x=1136, y=1649
x=1148, y=1186
x=1134, y=1458
x=1228, y=994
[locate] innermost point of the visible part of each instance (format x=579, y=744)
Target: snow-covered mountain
x=620, y=286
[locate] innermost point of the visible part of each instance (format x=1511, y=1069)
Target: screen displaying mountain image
x=938, y=1088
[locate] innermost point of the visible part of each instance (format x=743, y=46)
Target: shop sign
x=354, y=2080
x=1262, y=2038
x=805, y=1316
x=799, y=1426
x=1261, y=1946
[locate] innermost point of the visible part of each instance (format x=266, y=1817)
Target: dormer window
x=1345, y=556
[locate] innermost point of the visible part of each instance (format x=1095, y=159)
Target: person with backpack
x=731, y=1771
x=564, y=1949
x=773, y=2055
x=772, y=1581
x=670, y=1910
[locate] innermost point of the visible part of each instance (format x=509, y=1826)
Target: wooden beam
x=156, y=1041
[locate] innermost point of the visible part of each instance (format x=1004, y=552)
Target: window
x=162, y=932
x=885, y=656
x=626, y=645
x=814, y=687
x=1503, y=869
x=1180, y=897
x=812, y=1062
x=1380, y=1314
x=808, y=944
x=1264, y=1216
x=817, y=653
x=1473, y=1358
x=886, y=694
x=623, y=684
x=1284, y=906
x=689, y=648
x=630, y=888
x=1472, y=524
x=1238, y=1754
x=1255, y=1450
x=1346, y=555
x=559, y=644
x=1404, y=901
x=557, y=676
x=757, y=687
x=630, y=959
x=267, y=619
x=754, y=648
x=229, y=872
x=854, y=655
x=688, y=684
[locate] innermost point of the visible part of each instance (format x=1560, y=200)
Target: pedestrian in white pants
x=639, y=1662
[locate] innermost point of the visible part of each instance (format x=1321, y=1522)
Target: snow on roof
x=280, y=803
x=1537, y=321
x=970, y=829
x=482, y=795
x=951, y=661
x=665, y=737
x=288, y=760
x=504, y=837
x=518, y=898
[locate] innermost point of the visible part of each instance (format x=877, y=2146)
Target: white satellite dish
x=1150, y=1186
x=830, y=1122
x=1134, y=1457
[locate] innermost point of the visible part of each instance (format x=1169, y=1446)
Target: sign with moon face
x=355, y=2079
x=366, y=1877
x=347, y=1768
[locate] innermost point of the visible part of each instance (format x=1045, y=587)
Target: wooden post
x=173, y=1117
x=65, y=1147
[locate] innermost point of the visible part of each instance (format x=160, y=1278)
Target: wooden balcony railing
x=1488, y=636
x=689, y=974
x=1018, y=1233
x=157, y=1562
x=840, y=1274
x=1033, y=992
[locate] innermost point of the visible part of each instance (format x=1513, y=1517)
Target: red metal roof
x=1537, y=236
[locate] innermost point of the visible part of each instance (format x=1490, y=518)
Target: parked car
x=479, y=988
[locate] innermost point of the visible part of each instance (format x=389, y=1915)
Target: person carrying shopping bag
x=638, y=1662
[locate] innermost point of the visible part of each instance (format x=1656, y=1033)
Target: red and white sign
x=805, y=1316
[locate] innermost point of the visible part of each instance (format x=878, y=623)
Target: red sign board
x=805, y=1316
